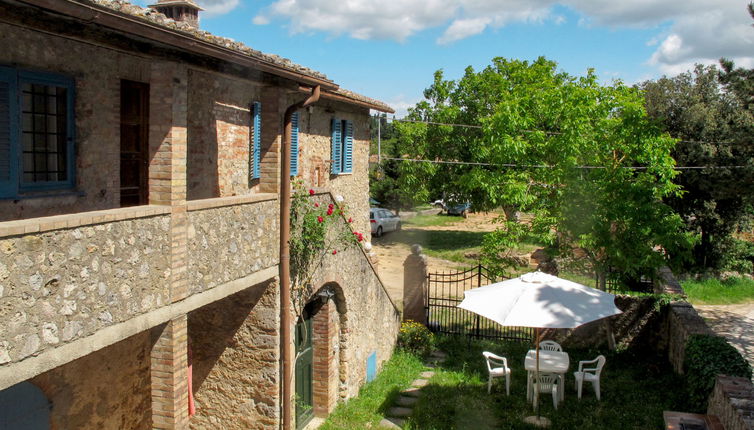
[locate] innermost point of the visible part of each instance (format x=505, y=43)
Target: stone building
x=139, y=224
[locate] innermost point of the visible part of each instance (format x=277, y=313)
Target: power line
x=546, y=166
x=548, y=133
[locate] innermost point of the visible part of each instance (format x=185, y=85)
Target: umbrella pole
x=536, y=374
x=537, y=420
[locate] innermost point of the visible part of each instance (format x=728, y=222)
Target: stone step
x=406, y=401
x=391, y=423
x=399, y=412
x=438, y=354
x=412, y=392
x=419, y=383
x=428, y=374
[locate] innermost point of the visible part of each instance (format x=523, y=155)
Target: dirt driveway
x=392, y=250
x=735, y=323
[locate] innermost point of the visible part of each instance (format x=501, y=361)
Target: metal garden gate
x=444, y=293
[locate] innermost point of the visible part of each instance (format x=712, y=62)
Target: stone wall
x=108, y=389
x=732, y=401
x=681, y=321
x=369, y=320
x=219, y=135
x=97, y=120
x=60, y=285
x=229, y=242
x=315, y=149
x=235, y=351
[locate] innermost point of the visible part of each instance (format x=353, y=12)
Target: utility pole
x=379, y=140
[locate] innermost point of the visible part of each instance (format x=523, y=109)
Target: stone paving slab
x=391, y=423
x=399, y=412
x=406, y=401
x=428, y=374
x=419, y=383
x=412, y=392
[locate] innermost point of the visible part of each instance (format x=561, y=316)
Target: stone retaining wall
x=732, y=401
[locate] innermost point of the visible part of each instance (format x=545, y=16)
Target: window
x=36, y=132
x=256, y=151
x=342, y=146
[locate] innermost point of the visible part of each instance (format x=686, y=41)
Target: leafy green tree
x=534, y=129
x=716, y=129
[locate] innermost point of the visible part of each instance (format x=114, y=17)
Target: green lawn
x=431, y=220
x=376, y=397
x=717, y=292
x=636, y=388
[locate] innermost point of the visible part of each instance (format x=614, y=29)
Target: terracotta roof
x=154, y=17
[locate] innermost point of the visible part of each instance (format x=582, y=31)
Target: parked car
x=454, y=208
x=383, y=221
x=460, y=209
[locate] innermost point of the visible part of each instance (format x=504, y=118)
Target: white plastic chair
x=547, y=384
x=591, y=374
x=550, y=345
x=497, y=367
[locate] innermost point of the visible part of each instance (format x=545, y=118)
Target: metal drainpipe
x=285, y=258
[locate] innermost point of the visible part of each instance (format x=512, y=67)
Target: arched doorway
x=304, y=372
x=24, y=407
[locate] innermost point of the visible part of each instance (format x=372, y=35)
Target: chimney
x=179, y=10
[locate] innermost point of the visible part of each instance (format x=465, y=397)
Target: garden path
x=735, y=323
x=391, y=253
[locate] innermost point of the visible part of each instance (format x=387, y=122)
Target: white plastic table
x=549, y=362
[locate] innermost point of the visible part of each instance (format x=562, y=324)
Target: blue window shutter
x=9, y=113
x=348, y=147
x=294, y=144
x=257, y=140
x=335, y=168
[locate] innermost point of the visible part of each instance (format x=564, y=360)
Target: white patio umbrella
x=539, y=300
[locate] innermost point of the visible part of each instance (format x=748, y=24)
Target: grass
x=431, y=220
x=636, y=388
x=367, y=410
x=717, y=292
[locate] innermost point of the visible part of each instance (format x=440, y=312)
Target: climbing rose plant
x=317, y=233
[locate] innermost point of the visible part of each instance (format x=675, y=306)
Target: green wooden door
x=304, y=376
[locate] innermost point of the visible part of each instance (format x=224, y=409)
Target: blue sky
x=389, y=49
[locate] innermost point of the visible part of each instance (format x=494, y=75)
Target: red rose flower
x=311, y=192
x=350, y=220
x=329, y=211
x=316, y=205
x=334, y=251
x=320, y=219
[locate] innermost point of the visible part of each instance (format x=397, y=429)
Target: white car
x=383, y=221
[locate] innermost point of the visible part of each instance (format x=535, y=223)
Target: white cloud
x=463, y=28
x=688, y=30
x=217, y=7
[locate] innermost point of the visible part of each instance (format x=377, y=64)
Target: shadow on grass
x=636, y=388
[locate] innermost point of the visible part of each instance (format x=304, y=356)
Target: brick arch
x=329, y=340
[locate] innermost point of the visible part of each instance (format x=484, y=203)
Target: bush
x=415, y=338
x=740, y=256
x=706, y=357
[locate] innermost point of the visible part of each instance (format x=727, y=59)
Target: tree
x=715, y=127
x=582, y=157
x=391, y=182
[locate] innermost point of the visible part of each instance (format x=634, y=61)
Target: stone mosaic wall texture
x=228, y=243
x=58, y=286
x=108, y=389
x=235, y=355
